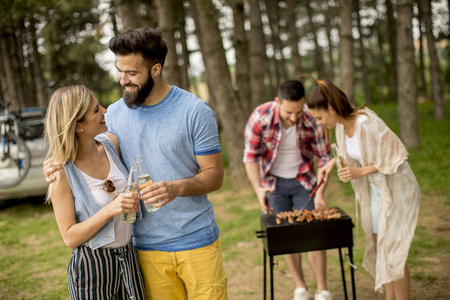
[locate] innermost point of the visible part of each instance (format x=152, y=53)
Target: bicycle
x=15, y=156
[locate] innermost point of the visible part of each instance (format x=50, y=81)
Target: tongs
x=312, y=194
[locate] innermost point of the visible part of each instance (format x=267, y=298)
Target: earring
x=82, y=130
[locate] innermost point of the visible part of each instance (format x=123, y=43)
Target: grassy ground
x=33, y=258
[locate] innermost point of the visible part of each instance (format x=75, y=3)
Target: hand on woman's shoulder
x=115, y=140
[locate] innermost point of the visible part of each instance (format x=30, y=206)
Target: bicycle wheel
x=14, y=161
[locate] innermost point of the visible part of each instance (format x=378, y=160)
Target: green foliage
x=425, y=245
x=32, y=254
x=72, y=41
x=423, y=277
x=68, y=37
x=223, y=145
x=238, y=227
x=429, y=162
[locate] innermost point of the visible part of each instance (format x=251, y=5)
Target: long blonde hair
x=68, y=105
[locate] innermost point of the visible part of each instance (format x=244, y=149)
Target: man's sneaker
x=324, y=295
x=302, y=294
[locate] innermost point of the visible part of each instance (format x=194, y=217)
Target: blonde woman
x=87, y=199
x=384, y=185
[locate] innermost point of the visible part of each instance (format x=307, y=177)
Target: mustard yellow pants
x=198, y=273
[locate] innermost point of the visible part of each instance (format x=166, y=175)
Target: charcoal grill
x=288, y=238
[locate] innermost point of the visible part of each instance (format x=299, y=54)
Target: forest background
x=391, y=55
x=377, y=51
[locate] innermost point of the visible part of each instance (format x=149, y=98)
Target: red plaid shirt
x=263, y=137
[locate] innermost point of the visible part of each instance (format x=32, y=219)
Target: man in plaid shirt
x=281, y=140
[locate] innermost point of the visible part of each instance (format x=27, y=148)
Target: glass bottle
x=144, y=181
x=339, y=161
x=132, y=186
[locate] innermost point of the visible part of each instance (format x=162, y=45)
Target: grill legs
x=343, y=274
x=271, y=276
x=271, y=264
x=352, y=272
x=265, y=274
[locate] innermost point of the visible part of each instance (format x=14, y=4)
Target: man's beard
x=288, y=122
x=137, y=98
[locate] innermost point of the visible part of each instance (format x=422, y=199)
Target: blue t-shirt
x=168, y=136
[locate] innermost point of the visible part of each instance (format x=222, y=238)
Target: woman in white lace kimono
x=384, y=185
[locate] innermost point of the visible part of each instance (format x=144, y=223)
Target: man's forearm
x=253, y=174
x=205, y=182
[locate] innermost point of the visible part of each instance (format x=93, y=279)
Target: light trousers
x=198, y=273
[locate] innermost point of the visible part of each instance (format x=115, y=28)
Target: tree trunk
x=423, y=81
x=346, y=47
x=362, y=50
x=208, y=79
x=228, y=105
x=382, y=64
x=171, y=71
x=241, y=49
x=180, y=18
x=257, y=55
x=448, y=11
x=37, y=71
x=392, y=33
x=291, y=20
x=273, y=74
x=113, y=17
x=320, y=65
x=274, y=23
x=10, y=91
x=184, y=68
x=328, y=28
x=4, y=93
x=22, y=72
x=128, y=12
x=407, y=87
x=436, y=85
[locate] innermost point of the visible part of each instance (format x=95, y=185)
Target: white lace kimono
x=400, y=197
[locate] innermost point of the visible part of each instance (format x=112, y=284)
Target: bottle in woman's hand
x=339, y=161
x=132, y=186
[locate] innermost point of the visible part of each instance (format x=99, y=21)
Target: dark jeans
x=289, y=194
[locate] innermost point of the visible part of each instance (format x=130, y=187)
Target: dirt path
x=245, y=274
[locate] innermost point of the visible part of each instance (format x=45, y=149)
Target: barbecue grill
x=286, y=238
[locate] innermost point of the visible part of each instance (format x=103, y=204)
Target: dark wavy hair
x=146, y=41
x=327, y=94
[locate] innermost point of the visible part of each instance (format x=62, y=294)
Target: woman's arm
x=73, y=233
x=325, y=171
x=348, y=173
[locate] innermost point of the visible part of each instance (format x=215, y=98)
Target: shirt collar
x=276, y=114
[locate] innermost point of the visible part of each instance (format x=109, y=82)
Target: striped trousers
x=105, y=273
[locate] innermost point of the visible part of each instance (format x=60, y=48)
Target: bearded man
x=176, y=134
